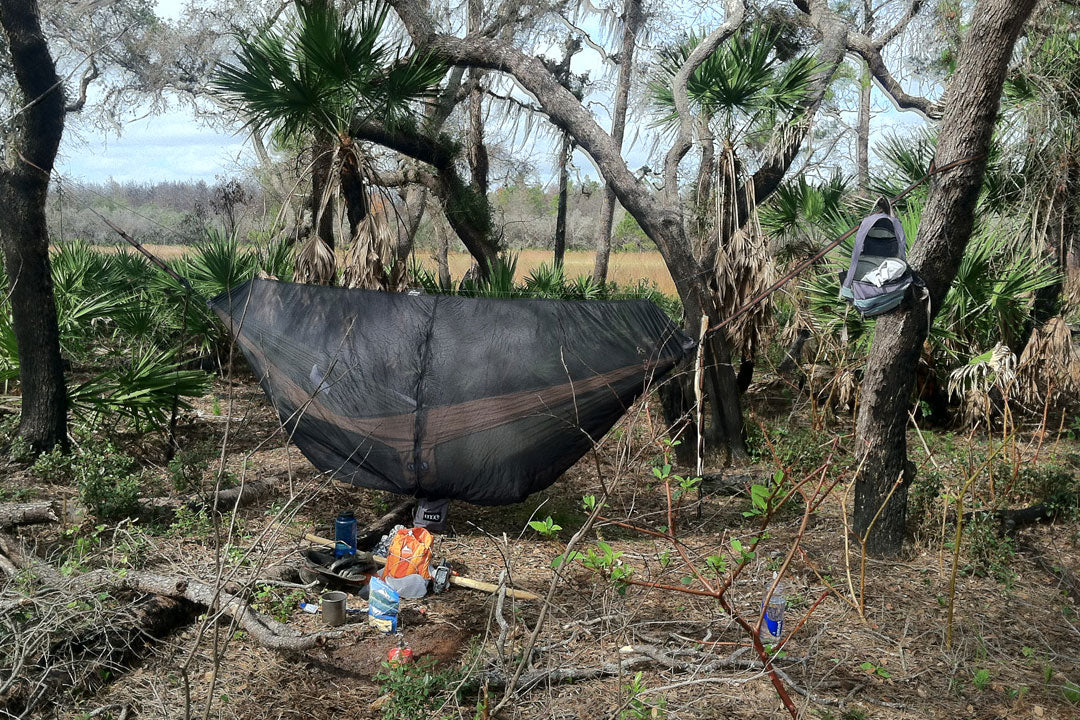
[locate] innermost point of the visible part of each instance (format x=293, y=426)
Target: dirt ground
x=1015, y=645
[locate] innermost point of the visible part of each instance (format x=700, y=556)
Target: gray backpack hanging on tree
x=878, y=276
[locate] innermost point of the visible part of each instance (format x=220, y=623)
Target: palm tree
x=745, y=97
x=315, y=80
x=1041, y=112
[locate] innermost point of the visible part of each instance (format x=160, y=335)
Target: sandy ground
x=892, y=663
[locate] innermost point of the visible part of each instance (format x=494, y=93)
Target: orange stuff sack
x=409, y=554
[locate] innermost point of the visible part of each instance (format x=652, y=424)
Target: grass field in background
x=625, y=268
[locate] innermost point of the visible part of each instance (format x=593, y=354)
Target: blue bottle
x=345, y=534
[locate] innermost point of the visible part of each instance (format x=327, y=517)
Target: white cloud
x=170, y=146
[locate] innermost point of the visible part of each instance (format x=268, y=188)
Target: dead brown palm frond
x=847, y=387
x=371, y=249
x=1050, y=363
x=315, y=262
x=743, y=267
x=985, y=378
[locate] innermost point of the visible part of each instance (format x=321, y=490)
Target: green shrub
x=187, y=467
x=417, y=690
x=107, y=480
x=988, y=554
x=923, y=496
x=191, y=523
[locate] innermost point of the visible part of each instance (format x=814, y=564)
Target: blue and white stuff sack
x=383, y=603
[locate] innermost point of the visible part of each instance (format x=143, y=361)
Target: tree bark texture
x=632, y=19
x=415, y=203
x=23, y=230
x=40, y=511
x=465, y=207
x=862, y=133
x=322, y=165
x=971, y=110
x=565, y=148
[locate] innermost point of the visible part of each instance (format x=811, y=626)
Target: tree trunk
x=353, y=189
x=603, y=236
x=560, y=217
x=322, y=156
x=862, y=136
x=632, y=17
x=862, y=128
x=703, y=187
x=415, y=203
x=23, y=231
x=971, y=110
x=445, y=280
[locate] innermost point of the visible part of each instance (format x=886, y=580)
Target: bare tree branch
x=89, y=75
x=889, y=35
x=870, y=51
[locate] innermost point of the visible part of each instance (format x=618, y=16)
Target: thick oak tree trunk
x=23, y=232
x=971, y=110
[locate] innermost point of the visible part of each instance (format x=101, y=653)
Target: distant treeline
x=183, y=212
x=160, y=213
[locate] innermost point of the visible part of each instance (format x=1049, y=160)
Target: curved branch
x=459, y=199
x=89, y=75
x=870, y=51
x=661, y=222
x=834, y=38
x=735, y=12
x=889, y=35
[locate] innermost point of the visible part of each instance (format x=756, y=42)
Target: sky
x=170, y=146
x=176, y=146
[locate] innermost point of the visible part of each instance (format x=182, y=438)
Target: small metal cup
x=333, y=608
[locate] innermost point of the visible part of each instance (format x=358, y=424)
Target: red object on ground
x=400, y=656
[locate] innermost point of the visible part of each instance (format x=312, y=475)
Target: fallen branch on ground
x=242, y=495
x=265, y=630
x=1011, y=520
x=12, y=514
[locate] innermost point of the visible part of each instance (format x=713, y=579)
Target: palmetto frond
x=740, y=80
x=323, y=71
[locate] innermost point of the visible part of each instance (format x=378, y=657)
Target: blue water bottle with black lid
x=345, y=534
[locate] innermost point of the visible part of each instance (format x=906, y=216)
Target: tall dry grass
x=625, y=268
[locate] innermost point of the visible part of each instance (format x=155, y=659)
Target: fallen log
x=1012, y=519
x=12, y=514
x=263, y=629
x=367, y=537
x=225, y=500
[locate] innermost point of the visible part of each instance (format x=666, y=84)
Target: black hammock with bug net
x=437, y=396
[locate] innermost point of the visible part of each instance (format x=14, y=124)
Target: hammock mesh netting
x=438, y=396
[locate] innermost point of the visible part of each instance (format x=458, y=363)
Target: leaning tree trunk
x=632, y=17
x=971, y=110
x=23, y=231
